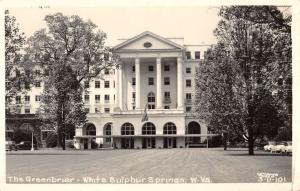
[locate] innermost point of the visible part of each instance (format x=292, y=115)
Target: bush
x=94, y=145
x=51, y=140
x=70, y=144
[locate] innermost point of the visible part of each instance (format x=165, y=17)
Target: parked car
x=10, y=145
x=269, y=146
x=288, y=148
x=279, y=147
x=26, y=145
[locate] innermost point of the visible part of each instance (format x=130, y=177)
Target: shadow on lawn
x=45, y=154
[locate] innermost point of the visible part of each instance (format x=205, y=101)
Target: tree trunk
x=63, y=141
x=225, y=141
x=250, y=142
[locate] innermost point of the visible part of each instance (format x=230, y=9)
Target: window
x=150, y=81
x=97, y=98
x=167, y=107
x=127, y=129
x=86, y=98
x=114, y=83
x=18, y=110
x=86, y=84
x=151, y=68
x=133, y=97
x=169, y=128
x=106, y=84
x=106, y=110
x=37, y=72
x=188, y=83
x=27, y=99
x=46, y=72
x=167, y=95
x=27, y=111
x=166, y=67
x=188, y=96
x=106, y=98
x=167, y=81
x=18, y=99
x=97, y=84
x=27, y=85
x=37, y=98
x=87, y=110
x=133, y=81
x=197, y=54
x=106, y=71
x=188, y=109
x=148, y=129
x=188, y=70
x=188, y=55
x=37, y=84
x=167, y=98
x=97, y=110
x=151, y=100
x=133, y=68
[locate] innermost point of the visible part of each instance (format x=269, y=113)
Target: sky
x=195, y=24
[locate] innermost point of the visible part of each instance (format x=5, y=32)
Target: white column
x=137, y=84
x=120, y=86
x=158, y=84
x=179, y=84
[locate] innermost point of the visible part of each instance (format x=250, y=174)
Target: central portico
x=150, y=73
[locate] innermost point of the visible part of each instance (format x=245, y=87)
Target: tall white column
x=137, y=84
x=158, y=84
x=179, y=84
x=120, y=82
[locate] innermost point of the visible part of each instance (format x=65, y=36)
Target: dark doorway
x=193, y=128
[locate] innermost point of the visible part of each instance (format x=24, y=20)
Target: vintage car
x=26, y=145
x=269, y=146
x=288, y=150
x=10, y=145
x=279, y=147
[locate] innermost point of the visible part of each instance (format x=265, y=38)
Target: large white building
x=155, y=73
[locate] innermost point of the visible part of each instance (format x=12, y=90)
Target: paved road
x=147, y=166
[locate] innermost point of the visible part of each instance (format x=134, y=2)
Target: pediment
x=147, y=41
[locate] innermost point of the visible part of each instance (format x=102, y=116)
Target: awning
x=137, y=136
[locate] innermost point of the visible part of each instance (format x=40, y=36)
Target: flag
x=145, y=116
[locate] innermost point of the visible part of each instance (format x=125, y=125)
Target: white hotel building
x=157, y=73
x=154, y=72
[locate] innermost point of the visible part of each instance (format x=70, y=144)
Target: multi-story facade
x=155, y=73
x=156, y=77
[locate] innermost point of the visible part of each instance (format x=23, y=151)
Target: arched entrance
x=89, y=129
x=169, y=129
x=193, y=128
x=148, y=129
x=107, y=131
x=128, y=142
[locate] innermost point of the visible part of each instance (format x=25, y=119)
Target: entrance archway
x=193, y=128
x=128, y=142
x=148, y=129
x=89, y=129
x=107, y=131
x=170, y=129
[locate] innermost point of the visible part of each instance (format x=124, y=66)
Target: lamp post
x=32, y=149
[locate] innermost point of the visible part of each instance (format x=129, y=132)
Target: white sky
x=195, y=24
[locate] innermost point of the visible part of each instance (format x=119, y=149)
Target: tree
x=246, y=97
x=14, y=42
x=70, y=50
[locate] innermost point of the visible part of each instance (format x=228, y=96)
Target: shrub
x=51, y=140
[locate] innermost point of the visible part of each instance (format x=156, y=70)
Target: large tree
x=70, y=51
x=245, y=58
